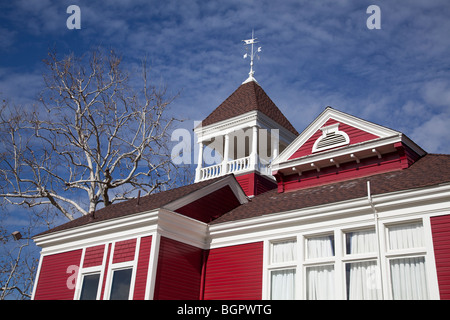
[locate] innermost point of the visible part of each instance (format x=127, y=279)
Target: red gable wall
x=355, y=135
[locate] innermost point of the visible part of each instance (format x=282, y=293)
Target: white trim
x=152, y=267
x=243, y=121
x=339, y=116
x=226, y=181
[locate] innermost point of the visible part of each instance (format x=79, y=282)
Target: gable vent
x=331, y=137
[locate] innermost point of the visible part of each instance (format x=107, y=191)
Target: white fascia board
x=98, y=232
x=226, y=181
x=411, y=203
x=244, y=121
x=335, y=153
x=182, y=228
x=223, y=127
x=339, y=116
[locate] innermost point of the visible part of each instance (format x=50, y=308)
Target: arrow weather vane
x=253, y=53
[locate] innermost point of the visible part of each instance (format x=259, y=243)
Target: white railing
x=234, y=166
x=238, y=165
x=210, y=172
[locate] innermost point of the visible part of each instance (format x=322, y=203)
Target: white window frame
x=290, y=265
x=88, y=272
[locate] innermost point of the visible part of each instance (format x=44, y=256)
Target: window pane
x=406, y=236
x=408, y=279
x=361, y=242
x=362, y=280
x=320, y=282
x=90, y=287
x=283, y=284
x=120, y=288
x=320, y=247
x=284, y=251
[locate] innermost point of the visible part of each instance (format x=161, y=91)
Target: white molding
x=339, y=116
x=397, y=205
x=243, y=121
x=226, y=181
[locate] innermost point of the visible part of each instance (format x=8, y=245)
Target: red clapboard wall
x=253, y=184
x=235, y=272
x=57, y=276
x=179, y=271
x=93, y=256
x=142, y=268
x=440, y=227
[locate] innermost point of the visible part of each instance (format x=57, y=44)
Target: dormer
x=337, y=146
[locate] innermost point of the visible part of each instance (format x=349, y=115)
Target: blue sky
x=315, y=54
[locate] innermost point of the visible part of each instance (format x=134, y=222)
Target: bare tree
x=93, y=140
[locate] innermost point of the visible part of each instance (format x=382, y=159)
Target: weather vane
x=252, y=54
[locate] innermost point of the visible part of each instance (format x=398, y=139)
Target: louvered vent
x=331, y=139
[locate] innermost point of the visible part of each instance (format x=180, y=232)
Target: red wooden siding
x=235, y=272
x=124, y=251
x=142, y=268
x=179, y=271
x=211, y=206
x=55, y=281
x=93, y=256
x=355, y=135
x=440, y=227
x=253, y=184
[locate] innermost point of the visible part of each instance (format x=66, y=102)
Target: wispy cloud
x=315, y=53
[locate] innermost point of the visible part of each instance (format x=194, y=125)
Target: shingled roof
x=146, y=203
x=432, y=169
x=248, y=97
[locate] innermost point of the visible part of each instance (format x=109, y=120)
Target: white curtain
x=408, y=279
x=320, y=279
x=362, y=276
x=320, y=247
x=283, y=281
x=283, y=284
x=408, y=276
x=362, y=281
x=320, y=282
x=406, y=236
x=284, y=251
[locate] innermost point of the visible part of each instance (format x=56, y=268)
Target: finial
x=252, y=55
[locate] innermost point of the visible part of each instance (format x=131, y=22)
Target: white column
x=254, y=153
x=226, y=150
x=200, y=162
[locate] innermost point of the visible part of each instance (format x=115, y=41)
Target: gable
x=354, y=129
x=341, y=134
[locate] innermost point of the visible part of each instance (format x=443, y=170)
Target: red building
x=347, y=209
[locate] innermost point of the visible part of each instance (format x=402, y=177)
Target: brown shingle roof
x=248, y=97
x=146, y=203
x=430, y=170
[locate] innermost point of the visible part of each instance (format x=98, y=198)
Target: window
x=361, y=272
x=120, y=287
x=320, y=277
x=89, y=287
x=283, y=259
x=407, y=261
x=353, y=264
